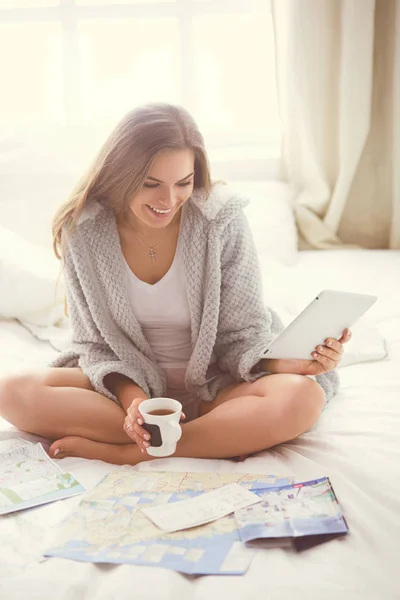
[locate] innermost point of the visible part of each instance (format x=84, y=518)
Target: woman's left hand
x=326, y=358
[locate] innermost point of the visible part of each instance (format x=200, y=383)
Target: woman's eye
x=155, y=185
x=184, y=184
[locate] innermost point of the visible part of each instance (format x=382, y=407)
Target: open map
x=296, y=510
x=28, y=477
x=109, y=525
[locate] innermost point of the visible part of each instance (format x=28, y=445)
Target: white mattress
x=356, y=443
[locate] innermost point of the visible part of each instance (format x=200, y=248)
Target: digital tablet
x=328, y=315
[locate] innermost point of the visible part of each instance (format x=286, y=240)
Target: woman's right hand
x=133, y=425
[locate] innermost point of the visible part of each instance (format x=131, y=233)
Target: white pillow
x=271, y=218
x=37, y=174
x=31, y=288
x=281, y=285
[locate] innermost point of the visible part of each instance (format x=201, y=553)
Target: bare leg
x=61, y=402
x=244, y=419
x=270, y=411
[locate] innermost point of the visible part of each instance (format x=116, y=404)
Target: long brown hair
x=124, y=162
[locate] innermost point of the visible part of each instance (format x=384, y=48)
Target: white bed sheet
x=356, y=443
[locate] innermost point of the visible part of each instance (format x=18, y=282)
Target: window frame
x=247, y=161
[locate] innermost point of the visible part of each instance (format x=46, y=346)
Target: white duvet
x=356, y=443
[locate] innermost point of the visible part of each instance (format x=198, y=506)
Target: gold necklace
x=152, y=254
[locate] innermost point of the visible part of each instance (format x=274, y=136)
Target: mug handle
x=175, y=433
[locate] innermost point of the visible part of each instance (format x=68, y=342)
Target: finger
x=130, y=430
x=334, y=345
x=133, y=410
x=332, y=354
x=133, y=428
x=141, y=432
x=128, y=425
x=346, y=335
x=325, y=361
x=142, y=443
x=134, y=438
x=134, y=417
x=134, y=413
x=183, y=416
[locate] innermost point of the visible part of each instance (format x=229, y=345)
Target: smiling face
x=167, y=187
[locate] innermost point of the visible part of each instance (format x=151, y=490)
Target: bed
x=356, y=443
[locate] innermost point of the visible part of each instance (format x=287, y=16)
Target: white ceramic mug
x=164, y=429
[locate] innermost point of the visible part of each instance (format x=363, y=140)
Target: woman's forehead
x=172, y=165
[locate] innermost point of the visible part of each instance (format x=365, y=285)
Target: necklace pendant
x=152, y=255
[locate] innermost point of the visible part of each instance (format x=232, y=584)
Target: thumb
x=346, y=335
x=134, y=406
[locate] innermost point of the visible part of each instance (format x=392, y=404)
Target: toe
x=73, y=446
x=62, y=448
x=118, y=454
x=55, y=449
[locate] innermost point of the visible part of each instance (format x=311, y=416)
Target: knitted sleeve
x=246, y=326
x=88, y=349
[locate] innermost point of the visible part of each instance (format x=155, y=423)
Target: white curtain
x=338, y=71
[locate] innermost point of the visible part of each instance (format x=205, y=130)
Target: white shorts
x=176, y=389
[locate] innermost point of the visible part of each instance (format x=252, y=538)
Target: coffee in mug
x=161, y=418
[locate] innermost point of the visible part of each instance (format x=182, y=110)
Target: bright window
x=81, y=64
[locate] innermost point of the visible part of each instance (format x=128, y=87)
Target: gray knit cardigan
x=229, y=321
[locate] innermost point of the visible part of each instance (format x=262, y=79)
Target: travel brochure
x=194, y=523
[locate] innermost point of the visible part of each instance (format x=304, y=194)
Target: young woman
x=164, y=296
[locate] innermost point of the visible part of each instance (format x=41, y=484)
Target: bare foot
x=117, y=454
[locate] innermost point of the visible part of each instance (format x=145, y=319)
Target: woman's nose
x=168, y=197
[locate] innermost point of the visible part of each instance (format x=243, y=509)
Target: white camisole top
x=162, y=310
